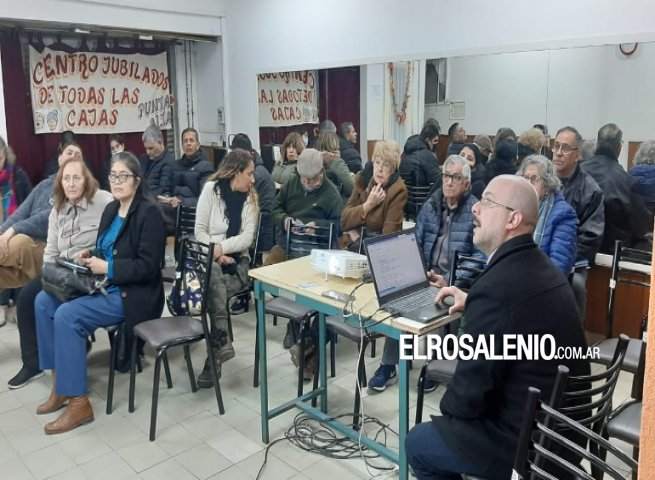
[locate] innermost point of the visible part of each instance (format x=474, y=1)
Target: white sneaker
x=3, y=315
x=11, y=314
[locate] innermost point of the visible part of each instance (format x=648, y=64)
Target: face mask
x=305, y=139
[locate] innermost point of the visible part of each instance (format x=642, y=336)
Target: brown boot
x=78, y=412
x=54, y=401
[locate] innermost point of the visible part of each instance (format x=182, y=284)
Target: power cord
x=315, y=436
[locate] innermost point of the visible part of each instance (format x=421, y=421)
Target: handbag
x=67, y=280
x=186, y=296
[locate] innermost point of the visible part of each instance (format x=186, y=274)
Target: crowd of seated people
x=581, y=208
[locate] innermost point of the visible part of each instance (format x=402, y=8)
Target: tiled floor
x=193, y=440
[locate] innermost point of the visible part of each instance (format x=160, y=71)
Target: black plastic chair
x=185, y=223
x=299, y=243
x=624, y=422
x=587, y=400
x=464, y=270
x=545, y=443
x=164, y=333
x=416, y=198
x=623, y=257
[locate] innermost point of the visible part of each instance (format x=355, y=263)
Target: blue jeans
x=432, y=459
x=62, y=330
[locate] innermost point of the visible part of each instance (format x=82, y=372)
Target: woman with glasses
x=128, y=250
x=335, y=168
x=556, y=229
x=378, y=199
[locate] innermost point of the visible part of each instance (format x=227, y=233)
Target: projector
x=339, y=262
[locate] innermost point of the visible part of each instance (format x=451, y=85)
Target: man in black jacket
x=190, y=172
x=157, y=168
x=347, y=142
x=418, y=165
x=626, y=216
x=585, y=196
x=520, y=293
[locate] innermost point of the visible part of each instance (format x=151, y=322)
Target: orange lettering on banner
x=124, y=96
x=285, y=113
x=91, y=117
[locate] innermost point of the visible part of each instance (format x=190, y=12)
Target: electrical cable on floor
x=315, y=436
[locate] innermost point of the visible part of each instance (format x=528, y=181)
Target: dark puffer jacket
x=158, y=172
x=265, y=187
x=349, y=155
x=428, y=224
x=189, y=176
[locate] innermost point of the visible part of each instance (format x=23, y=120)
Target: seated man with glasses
x=444, y=225
x=519, y=293
x=555, y=233
x=582, y=192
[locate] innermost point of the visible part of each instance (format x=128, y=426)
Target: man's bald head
x=521, y=196
x=508, y=208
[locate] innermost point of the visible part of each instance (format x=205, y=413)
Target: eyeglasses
x=455, y=177
x=382, y=164
x=532, y=178
x=119, y=177
x=563, y=148
x=74, y=179
x=487, y=202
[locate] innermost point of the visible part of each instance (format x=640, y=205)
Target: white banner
x=288, y=98
x=89, y=92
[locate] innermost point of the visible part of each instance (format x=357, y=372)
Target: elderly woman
x=555, y=233
x=378, y=198
x=335, y=168
x=128, y=250
x=227, y=216
x=644, y=173
x=72, y=228
x=291, y=148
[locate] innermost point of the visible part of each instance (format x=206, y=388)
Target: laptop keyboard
x=413, y=301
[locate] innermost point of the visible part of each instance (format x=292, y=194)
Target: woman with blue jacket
x=556, y=229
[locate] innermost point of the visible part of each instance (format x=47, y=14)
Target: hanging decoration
x=400, y=114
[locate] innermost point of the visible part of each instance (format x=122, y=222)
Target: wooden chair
x=164, y=333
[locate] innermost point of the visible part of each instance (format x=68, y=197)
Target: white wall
x=284, y=35
x=198, y=17
x=584, y=87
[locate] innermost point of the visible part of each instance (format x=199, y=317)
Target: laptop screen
x=396, y=264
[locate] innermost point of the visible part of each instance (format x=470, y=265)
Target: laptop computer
x=401, y=282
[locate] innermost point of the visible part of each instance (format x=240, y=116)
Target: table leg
x=263, y=372
x=403, y=422
x=321, y=361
